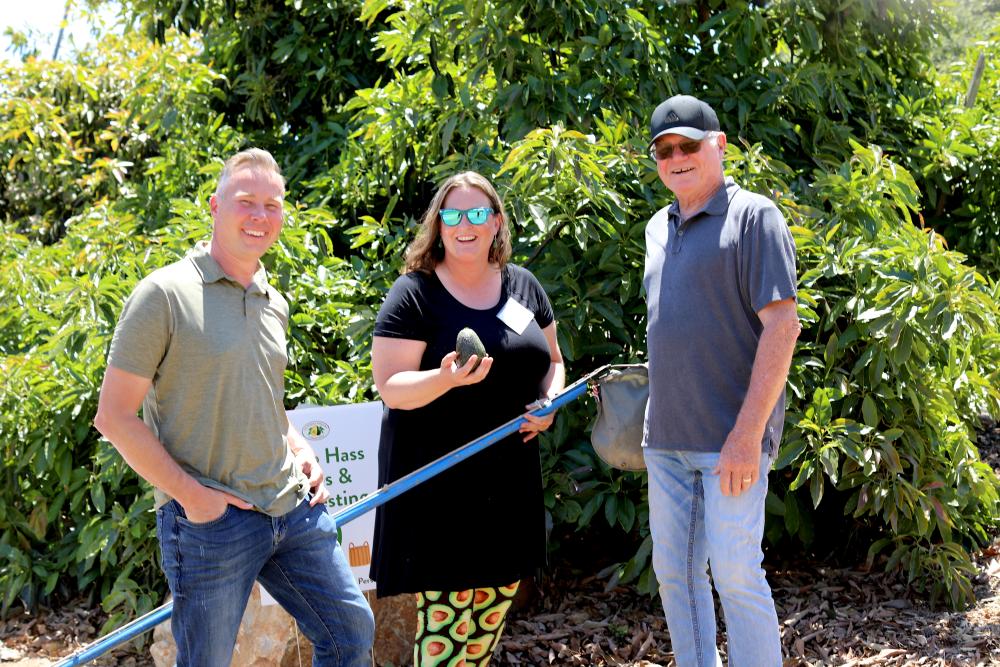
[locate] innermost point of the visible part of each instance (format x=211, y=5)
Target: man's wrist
x=743, y=434
x=191, y=492
x=306, y=455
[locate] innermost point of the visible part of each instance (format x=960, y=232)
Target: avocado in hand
x=468, y=344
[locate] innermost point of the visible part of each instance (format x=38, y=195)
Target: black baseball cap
x=684, y=115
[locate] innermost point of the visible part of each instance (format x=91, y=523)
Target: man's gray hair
x=254, y=158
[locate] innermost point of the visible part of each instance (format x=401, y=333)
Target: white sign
x=345, y=438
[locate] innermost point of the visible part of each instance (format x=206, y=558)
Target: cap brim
x=689, y=132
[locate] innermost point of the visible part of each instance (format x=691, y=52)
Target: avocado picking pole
x=407, y=482
x=351, y=512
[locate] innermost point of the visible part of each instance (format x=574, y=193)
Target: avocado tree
x=109, y=162
x=831, y=109
x=551, y=101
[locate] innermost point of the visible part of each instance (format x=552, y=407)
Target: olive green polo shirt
x=215, y=353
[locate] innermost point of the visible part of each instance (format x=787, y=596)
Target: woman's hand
x=553, y=383
x=458, y=376
x=533, y=425
x=401, y=383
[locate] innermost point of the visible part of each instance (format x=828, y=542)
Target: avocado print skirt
x=460, y=629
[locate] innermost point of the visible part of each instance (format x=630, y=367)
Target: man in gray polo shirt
x=200, y=346
x=722, y=324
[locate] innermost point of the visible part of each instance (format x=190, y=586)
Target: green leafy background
x=838, y=111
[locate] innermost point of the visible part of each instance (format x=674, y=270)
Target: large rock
x=268, y=636
x=395, y=629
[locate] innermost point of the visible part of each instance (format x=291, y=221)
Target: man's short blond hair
x=254, y=158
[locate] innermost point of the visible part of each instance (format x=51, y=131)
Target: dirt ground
x=829, y=616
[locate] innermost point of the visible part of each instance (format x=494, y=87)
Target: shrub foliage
x=831, y=109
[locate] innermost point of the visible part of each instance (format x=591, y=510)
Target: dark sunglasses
x=453, y=216
x=666, y=151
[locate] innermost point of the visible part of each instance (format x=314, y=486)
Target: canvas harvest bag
x=621, y=395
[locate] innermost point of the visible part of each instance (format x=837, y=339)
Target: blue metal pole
x=407, y=482
x=119, y=636
x=366, y=504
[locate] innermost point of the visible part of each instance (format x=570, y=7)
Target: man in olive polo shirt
x=721, y=329
x=200, y=346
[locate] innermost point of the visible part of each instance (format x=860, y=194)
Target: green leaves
x=831, y=110
x=902, y=328
x=64, y=502
x=130, y=121
x=117, y=136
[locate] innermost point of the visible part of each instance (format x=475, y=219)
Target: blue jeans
x=211, y=568
x=694, y=525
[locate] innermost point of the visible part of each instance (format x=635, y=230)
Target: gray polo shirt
x=215, y=353
x=706, y=278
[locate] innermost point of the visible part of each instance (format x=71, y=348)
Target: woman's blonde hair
x=426, y=250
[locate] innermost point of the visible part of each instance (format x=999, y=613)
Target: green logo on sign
x=315, y=430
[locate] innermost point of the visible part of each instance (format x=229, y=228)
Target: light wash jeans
x=694, y=525
x=211, y=568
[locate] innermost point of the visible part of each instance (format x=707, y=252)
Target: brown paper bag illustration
x=358, y=556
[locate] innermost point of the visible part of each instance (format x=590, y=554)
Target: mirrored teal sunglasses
x=453, y=216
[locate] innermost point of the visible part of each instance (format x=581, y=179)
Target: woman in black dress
x=463, y=540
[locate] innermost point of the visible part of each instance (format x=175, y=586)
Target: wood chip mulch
x=42, y=638
x=829, y=616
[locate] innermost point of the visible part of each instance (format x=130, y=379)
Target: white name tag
x=516, y=316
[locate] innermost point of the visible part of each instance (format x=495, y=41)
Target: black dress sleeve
x=530, y=293
x=404, y=312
